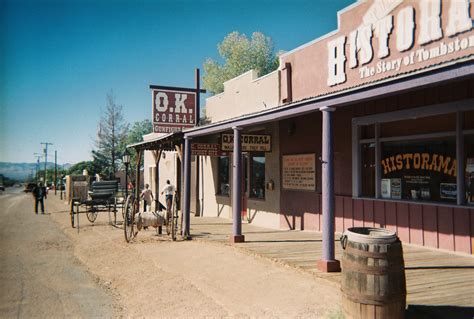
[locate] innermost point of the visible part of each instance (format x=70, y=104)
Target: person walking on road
x=168, y=190
x=39, y=193
x=147, y=196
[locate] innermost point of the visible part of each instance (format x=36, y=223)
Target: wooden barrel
x=373, y=274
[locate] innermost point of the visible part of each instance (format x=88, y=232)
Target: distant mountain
x=22, y=171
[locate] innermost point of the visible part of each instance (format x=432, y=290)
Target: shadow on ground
x=438, y=312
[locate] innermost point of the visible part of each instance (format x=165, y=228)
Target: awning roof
x=166, y=142
x=374, y=90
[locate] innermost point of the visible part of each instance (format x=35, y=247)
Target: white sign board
x=299, y=172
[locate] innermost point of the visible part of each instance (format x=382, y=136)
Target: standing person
x=39, y=193
x=147, y=196
x=168, y=190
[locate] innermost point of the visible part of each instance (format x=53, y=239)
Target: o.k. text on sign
x=173, y=110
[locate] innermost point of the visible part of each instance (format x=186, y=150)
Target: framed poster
x=299, y=172
x=396, y=188
x=385, y=187
x=448, y=190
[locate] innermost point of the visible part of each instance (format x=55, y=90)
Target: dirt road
x=155, y=277
x=40, y=276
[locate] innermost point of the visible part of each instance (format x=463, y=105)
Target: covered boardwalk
x=439, y=284
x=328, y=107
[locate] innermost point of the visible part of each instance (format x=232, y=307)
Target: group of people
x=40, y=194
x=148, y=197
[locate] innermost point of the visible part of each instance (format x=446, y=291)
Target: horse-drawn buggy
x=102, y=198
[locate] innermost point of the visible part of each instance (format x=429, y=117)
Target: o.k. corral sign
x=250, y=142
x=173, y=110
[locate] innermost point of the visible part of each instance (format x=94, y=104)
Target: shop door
x=245, y=180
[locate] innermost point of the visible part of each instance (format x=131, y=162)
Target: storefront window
x=223, y=176
x=469, y=151
x=257, y=175
x=424, y=170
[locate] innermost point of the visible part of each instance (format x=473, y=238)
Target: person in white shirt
x=169, y=191
x=147, y=196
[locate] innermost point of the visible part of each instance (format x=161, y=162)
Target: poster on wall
x=448, y=190
x=385, y=185
x=299, y=172
x=396, y=188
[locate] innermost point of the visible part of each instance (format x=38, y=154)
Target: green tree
x=111, y=138
x=78, y=168
x=135, y=135
x=240, y=54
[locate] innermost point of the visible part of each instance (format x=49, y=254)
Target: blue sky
x=59, y=59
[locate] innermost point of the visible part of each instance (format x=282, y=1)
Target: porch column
x=187, y=186
x=237, y=236
x=328, y=262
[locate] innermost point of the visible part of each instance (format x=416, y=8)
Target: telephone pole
x=45, y=158
x=55, y=170
x=38, y=156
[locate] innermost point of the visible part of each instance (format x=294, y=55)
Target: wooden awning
x=166, y=142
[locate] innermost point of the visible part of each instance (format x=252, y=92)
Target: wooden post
x=187, y=187
x=198, y=115
x=328, y=262
x=237, y=236
x=137, y=181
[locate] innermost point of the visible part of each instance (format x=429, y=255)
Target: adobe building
x=369, y=125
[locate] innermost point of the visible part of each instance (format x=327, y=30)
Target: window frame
x=457, y=107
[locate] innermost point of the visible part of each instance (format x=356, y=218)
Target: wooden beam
x=180, y=152
x=174, y=88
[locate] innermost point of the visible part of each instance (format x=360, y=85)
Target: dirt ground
x=40, y=277
x=155, y=277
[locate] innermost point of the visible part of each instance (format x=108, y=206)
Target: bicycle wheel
x=128, y=219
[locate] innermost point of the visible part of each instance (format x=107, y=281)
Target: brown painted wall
x=424, y=224
x=309, y=63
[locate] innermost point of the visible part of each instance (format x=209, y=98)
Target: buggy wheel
x=168, y=223
x=174, y=220
x=71, y=212
x=91, y=214
x=128, y=219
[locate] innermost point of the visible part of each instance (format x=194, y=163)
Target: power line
x=45, y=158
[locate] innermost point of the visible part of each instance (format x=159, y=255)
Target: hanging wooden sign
x=207, y=149
x=250, y=142
x=173, y=110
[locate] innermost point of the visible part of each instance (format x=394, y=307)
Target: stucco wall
x=259, y=212
x=243, y=95
x=167, y=169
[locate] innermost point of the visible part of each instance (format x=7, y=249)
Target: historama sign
x=173, y=110
x=381, y=39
